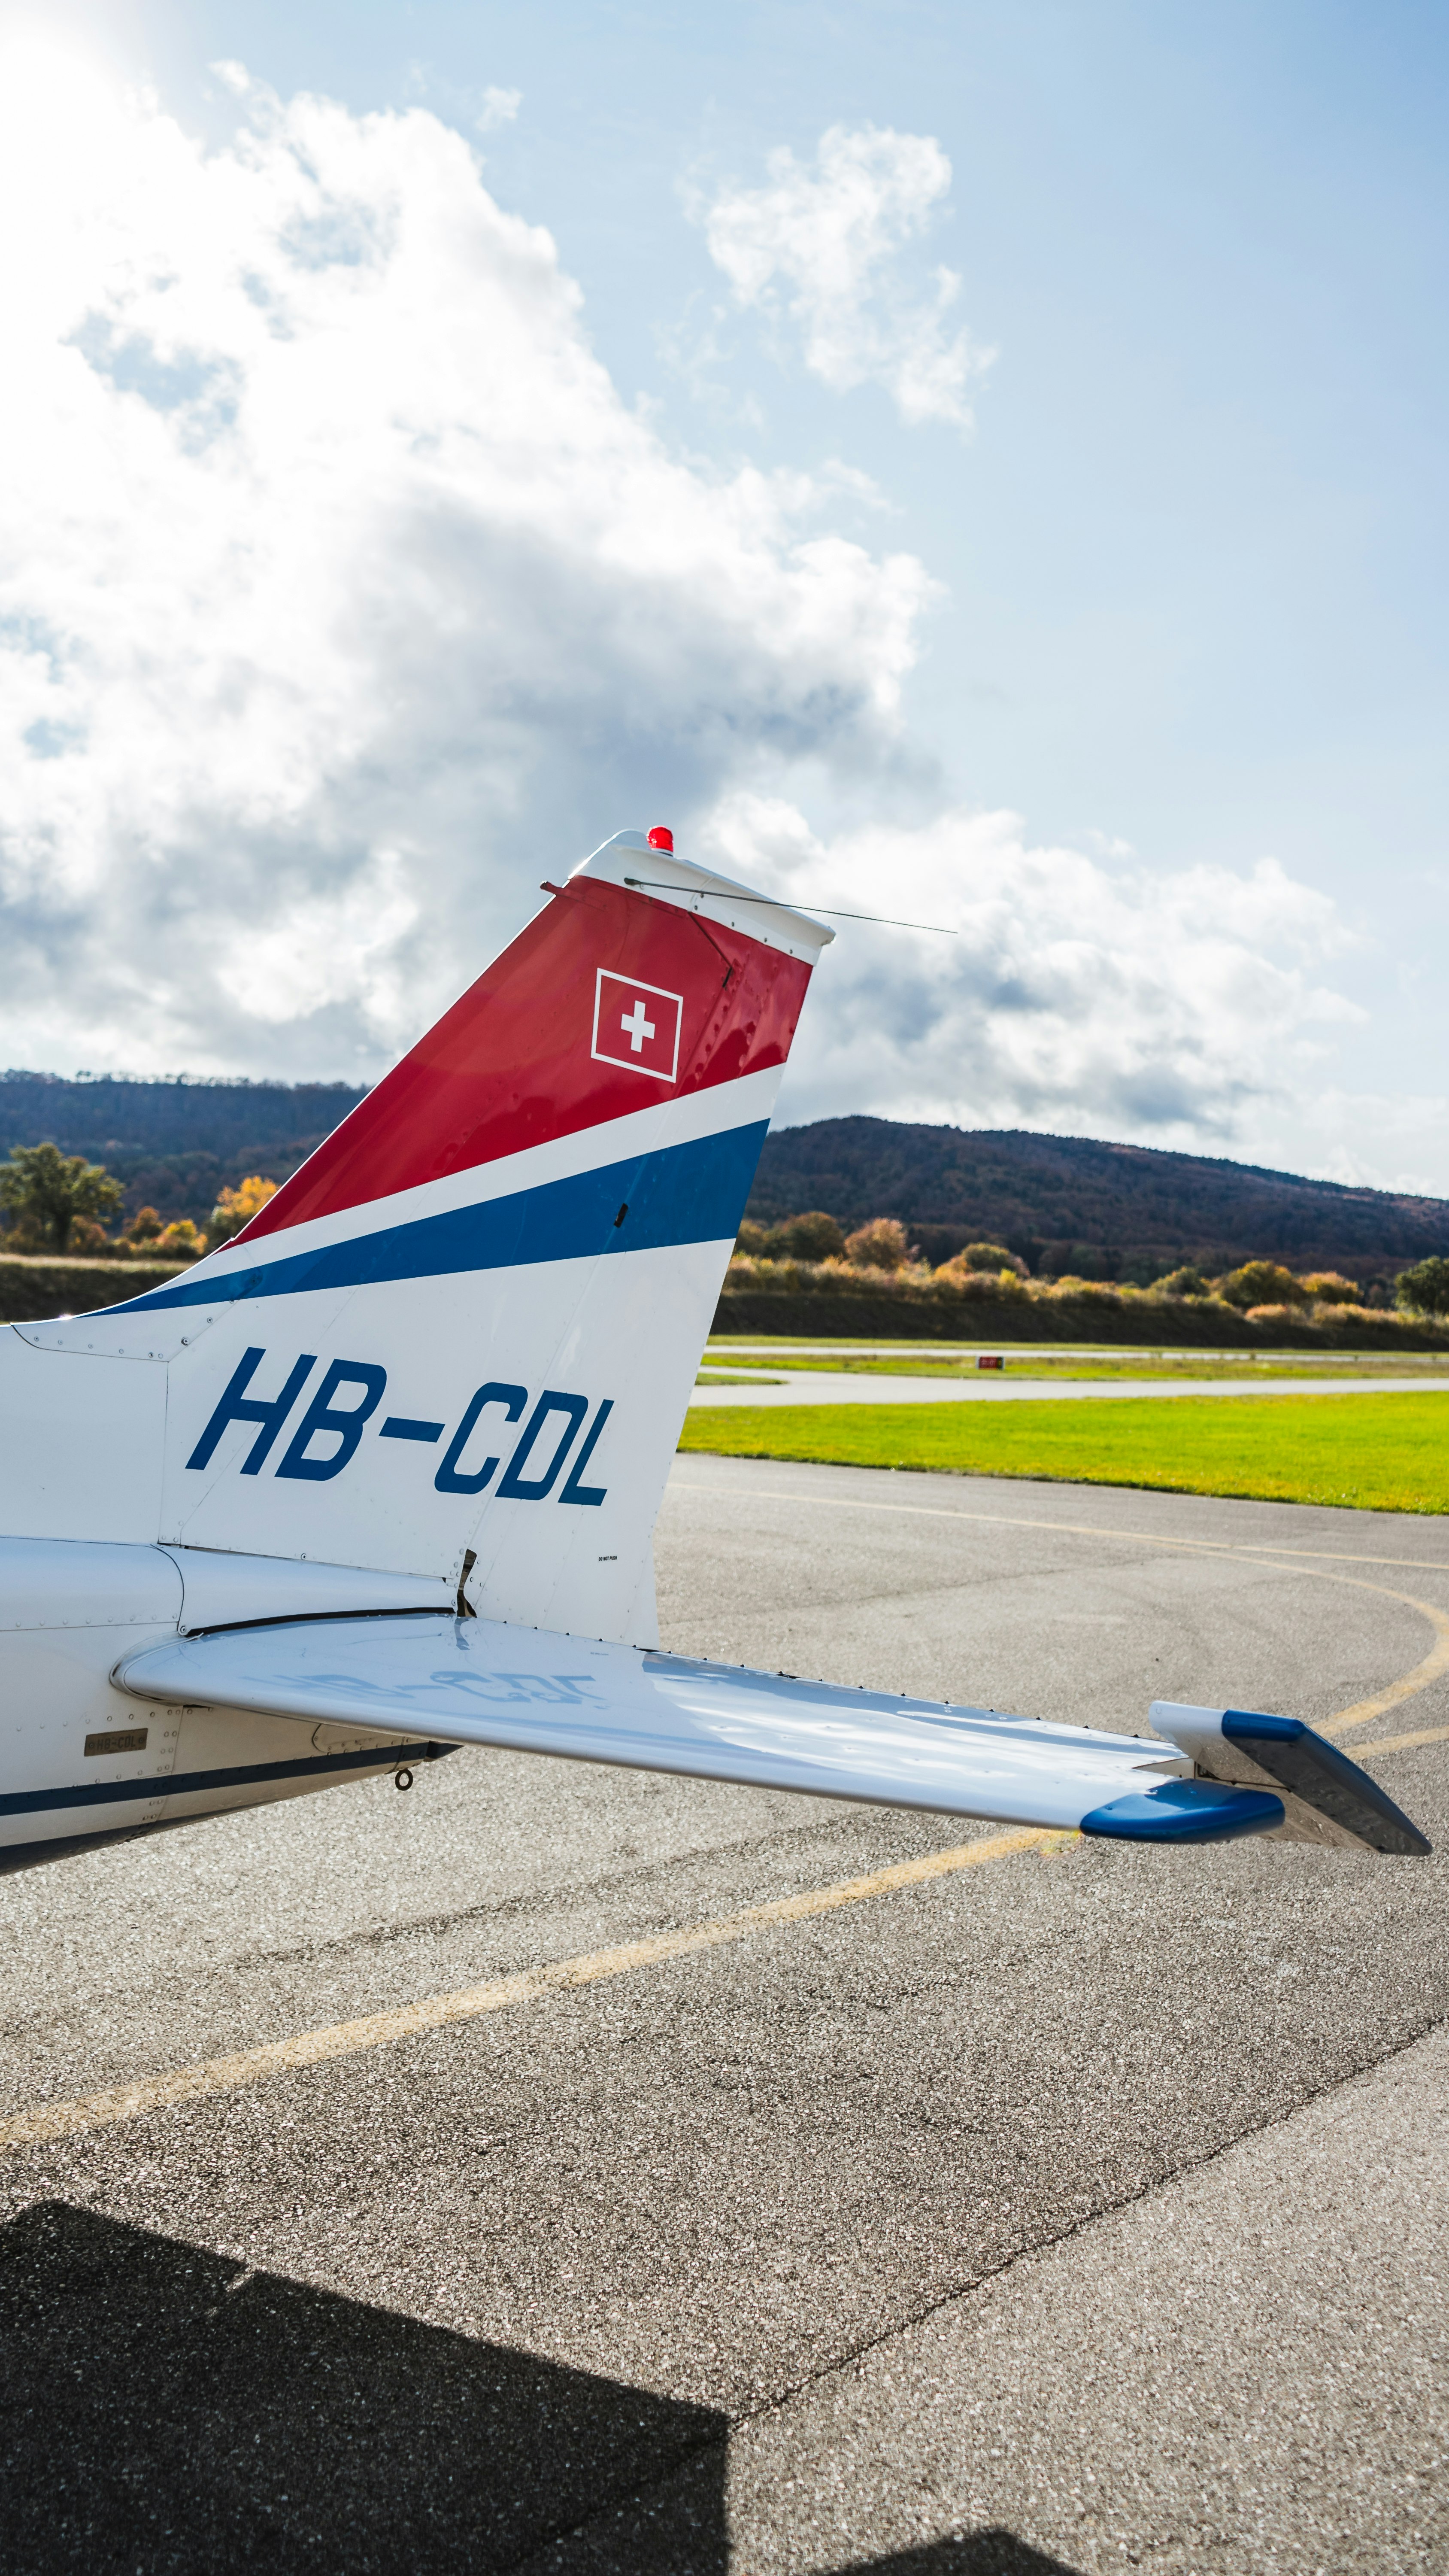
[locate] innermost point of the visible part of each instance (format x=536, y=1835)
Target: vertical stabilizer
x=467, y=1328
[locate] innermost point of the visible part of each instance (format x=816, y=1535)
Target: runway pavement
x=1068, y=2208
x=840, y=1386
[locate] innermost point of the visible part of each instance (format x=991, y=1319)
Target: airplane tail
x=460, y=1340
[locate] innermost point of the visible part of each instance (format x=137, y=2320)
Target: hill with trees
x=1060, y=1204
x=1068, y=1204
x=173, y=1145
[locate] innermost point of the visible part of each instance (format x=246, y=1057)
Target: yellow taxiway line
x=249, y=2066
x=1401, y=1743
x=1295, y=1560
x=117, y=2102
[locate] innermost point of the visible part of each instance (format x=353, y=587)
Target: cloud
x=828, y=243
x=1170, y=1008
x=344, y=597
x=500, y=107
x=1374, y=1140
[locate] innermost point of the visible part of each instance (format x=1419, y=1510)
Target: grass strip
x=1372, y=1453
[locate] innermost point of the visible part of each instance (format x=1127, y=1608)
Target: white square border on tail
x=644, y=1028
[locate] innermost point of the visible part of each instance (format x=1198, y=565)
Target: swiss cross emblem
x=636, y=1025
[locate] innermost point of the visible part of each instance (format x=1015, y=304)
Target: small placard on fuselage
x=129, y=1739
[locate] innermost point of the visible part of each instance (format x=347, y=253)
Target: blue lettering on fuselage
x=330, y=1432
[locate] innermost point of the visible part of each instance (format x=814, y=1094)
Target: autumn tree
x=1330, y=1288
x=1424, y=1290
x=178, y=1241
x=46, y=1191
x=881, y=1245
x=236, y=1208
x=992, y=1256
x=1186, y=1281
x=813, y=1237
x=1262, y=1283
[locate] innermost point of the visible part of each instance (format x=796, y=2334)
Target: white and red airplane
x=379, y=1478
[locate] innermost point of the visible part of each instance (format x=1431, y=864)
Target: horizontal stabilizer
x=486, y=1682
x=1328, y=1798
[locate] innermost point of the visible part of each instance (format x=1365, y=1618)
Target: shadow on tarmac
x=164, y=2408
x=976, y=2553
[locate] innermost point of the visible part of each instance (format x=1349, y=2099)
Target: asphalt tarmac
x=1072, y=2208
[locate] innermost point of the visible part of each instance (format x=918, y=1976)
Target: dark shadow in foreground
x=162, y=2408
x=165, y=2409
x=975, y=2553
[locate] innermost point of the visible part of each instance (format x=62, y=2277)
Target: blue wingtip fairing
x=1187, y=1811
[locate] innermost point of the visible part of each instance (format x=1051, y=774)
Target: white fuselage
x=81, y=1759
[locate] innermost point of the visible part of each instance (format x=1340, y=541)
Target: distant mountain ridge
x=1071, y=1203
x=1063, y=1202
x=174, y=1143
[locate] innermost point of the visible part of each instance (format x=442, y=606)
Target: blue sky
x=1186, y=566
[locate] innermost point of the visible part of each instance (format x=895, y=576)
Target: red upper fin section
x=606, y=1003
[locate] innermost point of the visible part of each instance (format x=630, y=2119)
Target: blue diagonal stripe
x=692, y=1193
x=381, y=1756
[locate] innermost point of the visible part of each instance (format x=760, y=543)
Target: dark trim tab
x=1315, y=1770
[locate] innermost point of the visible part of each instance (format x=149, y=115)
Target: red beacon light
x=661, y=837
